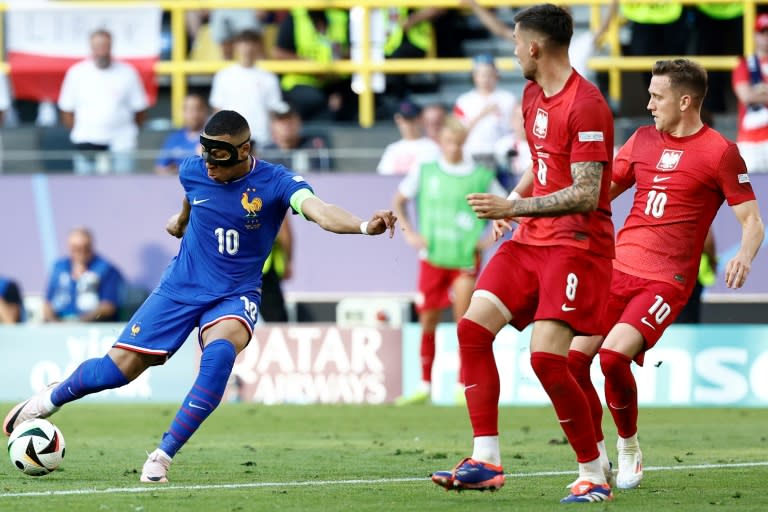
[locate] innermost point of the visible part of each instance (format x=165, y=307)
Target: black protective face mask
x=226, y=153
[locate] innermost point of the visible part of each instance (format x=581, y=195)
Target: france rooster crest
x=252, y=205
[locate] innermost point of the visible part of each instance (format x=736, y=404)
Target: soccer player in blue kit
x=232, y=210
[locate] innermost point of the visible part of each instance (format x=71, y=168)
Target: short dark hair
x=685, y=75
x=550, y=20
x=101, y=32
x=226, y=122
x=249, y=35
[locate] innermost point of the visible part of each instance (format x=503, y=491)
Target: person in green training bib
x=449, y=239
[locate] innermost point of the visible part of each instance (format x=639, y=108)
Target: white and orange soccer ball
x=36, y=447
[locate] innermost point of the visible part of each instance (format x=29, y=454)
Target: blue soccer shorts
x=161, y=325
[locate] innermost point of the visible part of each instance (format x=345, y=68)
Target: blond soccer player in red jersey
x=556, y=270
x=683, y=170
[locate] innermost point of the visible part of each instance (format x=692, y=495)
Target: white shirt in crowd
x=251, y=92
x=104, y=103
x=5, y=94
x=483, y=136
x=516, y=163
x=409, y=187
x=403, y=156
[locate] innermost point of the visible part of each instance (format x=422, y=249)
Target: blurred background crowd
x=93, y=103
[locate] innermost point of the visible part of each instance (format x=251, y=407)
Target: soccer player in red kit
x=556, y=270
x=682, y=170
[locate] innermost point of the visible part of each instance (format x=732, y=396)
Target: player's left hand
x=736, y=271
x=490, y=206
x=175, y=227
x=381, y=221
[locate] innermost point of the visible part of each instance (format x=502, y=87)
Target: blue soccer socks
x=91, y=376
x=215, y=366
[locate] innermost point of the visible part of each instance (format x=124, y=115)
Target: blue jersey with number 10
x=230, y=233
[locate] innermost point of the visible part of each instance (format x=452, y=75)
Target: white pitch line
x=313, y=483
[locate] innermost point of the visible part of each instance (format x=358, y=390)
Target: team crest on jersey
x=540, y=124
x=135, y=329
x=669, y=159
x=252, y=207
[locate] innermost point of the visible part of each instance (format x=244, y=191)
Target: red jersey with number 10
x=681, y=183
x=575, y=125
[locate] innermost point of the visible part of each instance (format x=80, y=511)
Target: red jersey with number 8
x=575, y=125
x=681, y=183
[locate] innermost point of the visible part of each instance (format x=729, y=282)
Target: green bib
x=420, y=35
x=655, y=14
x=315, y=46
x=446, y=221
x=722, y=11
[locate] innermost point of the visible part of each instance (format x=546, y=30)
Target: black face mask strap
x=209, y=144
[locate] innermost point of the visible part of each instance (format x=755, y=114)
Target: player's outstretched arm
x=582, y=196
x=412, y=235
x=338, y=220
x=177, y=224
x=752, y=233
x=491, y=22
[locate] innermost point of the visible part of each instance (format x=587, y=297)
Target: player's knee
x=579, y=365
x=132, y=364
x=219, y=357
x=614, y=363
x=473, y=337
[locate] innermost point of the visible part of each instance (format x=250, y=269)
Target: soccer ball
x=36, y=447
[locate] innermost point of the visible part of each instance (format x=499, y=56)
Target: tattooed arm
x=582, y=196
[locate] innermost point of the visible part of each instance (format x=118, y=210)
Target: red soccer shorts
x=549, y=283
x=435, y=285
x=648, y=306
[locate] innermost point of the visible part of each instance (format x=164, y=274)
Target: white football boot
x=39, y=406
x=155, y=470
x=630, y=463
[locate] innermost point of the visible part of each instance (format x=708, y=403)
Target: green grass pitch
x=360, y=458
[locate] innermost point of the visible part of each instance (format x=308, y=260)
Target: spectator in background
x=83, y=286
x=11, y=302
x=7, y=114
x=185, y=141
x=449, y=257
x=227, y=24
x=246, y=89
x=512, y=153
x=277, y=267
x=586, y=44
x=5, y=99
x=656, y=28
x=404, y=155
x=194, y=19
x=316, y=35
x=292, y=148
x=719, y=29
x=103, y=102
x=433, y=118
x=582, y=47
x=486, y=110
x=750, y=83
x=409, y=35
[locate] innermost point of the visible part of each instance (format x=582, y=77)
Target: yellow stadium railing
x=178, y=68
